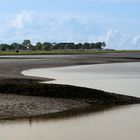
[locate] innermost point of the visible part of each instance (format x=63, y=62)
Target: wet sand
x=19, y=106
x=12, y=66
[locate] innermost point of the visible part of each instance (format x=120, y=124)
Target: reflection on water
x=123, y=78
x=118, y=124
x=115, y=124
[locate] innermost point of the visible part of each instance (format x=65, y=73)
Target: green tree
x=79, y=46
x=15, y=46
x=103, y=44
x=47, y=46
x=38, y=46
x=27, y=44
x=86, y=45
x=4, y=47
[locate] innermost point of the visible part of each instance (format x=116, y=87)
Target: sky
x=116, y=22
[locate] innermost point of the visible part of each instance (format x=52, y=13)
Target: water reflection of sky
x=120, y=123
x=123, y=78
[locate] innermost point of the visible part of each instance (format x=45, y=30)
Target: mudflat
x=13, y=105
x=12, y=66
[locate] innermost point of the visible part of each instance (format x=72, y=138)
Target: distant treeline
x=47, y=46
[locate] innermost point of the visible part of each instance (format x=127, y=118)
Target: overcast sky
x=117, y=22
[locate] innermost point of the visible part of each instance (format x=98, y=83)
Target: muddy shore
x=14, y=105
x=12, y=66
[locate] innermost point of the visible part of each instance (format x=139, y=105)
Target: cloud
x=117, y=40
x=114, y=39
x=135, y=40
x=61, y=28
x=39, y=27
x=23, y=18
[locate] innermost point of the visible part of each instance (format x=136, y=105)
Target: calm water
x=121, y=78
x=117, y=124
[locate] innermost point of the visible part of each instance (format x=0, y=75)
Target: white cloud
x=23, y=18
x=135, y=40
x=58, y=28
x=117, y=40
x=114, y=39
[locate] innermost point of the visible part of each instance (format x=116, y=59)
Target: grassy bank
x=91, y=96
x=64, y=52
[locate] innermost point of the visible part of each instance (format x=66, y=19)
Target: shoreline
x=10, y=72
x=12, y=67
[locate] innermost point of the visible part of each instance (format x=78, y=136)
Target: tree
x=98, y=45
x=103, y=44
x=27, y=44
x=15, y=46
x=4, y=47
x=86, y=46
x=79, y=46
x=92, y=46
x=70, y=46
x=47, y=46
x=38, y=46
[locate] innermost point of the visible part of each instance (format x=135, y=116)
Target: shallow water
x=123, y=78
x=116, y=124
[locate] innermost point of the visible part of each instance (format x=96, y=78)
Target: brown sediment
x=13, y=105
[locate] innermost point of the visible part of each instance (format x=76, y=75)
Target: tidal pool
x=122, y=123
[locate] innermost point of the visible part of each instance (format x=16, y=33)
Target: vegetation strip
x=65, y=52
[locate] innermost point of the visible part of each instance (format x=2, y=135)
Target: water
x=117, y=124
x=123, y=78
